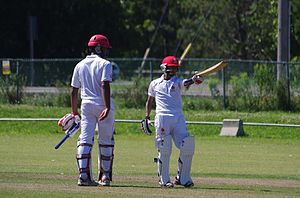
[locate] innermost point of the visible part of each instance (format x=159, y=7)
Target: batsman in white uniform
x=170, y=123
x=93, y=76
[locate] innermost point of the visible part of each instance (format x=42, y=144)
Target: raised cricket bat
x=212, y=69
x=185, y=52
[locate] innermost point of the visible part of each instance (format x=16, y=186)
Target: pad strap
x=84, y=144
x=83, y=156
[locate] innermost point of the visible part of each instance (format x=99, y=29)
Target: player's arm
x=188, y=82
x=105, y=91
x=74, y=100
x=146, y=122
x=148, y=107
x=195, y=79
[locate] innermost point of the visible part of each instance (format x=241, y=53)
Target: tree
x=242, y=29
x=64, y=27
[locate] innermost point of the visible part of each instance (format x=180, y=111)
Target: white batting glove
x=197, y=79
x=68, y=120
x=76, y=118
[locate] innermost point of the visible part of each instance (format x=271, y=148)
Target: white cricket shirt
x=167, y=94
x=88, y=75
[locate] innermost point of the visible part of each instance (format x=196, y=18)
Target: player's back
x=91, y=71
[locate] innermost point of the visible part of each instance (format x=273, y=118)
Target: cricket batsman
x=93, y=76
x=170, y=123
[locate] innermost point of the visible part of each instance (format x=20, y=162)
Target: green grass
x=31, y=167
x=49, y=127
x=237, y=157
x=123, y=113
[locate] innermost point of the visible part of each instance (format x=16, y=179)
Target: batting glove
x=197, y=79
x=68, y=120
x=77, y=118
x=145, y=123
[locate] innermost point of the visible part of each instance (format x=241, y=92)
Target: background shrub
x=11, y=89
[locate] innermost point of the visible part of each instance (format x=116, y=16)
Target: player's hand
x=148, y=121
x=145, y=123
x=103, y=114
x=197, y=79
x=68, y=120
x=77, y=117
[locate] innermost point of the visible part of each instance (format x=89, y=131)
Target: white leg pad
x=164, y=146
x=187, y=148
x=84, y=160
x=105, y=160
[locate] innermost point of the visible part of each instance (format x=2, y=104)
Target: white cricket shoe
x=166, y=185
x=87, y=182
x=105, y=181
x=186, y=185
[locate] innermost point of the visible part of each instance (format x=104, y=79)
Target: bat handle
x=62, y=141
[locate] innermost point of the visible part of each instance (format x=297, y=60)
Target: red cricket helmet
x=170, y=61
x=99, y=39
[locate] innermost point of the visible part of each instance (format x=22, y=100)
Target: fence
x=250, y=81
x=139, y=121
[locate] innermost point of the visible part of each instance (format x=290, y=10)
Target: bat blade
x=185, y=52
x=145, y=57
x=212, y=69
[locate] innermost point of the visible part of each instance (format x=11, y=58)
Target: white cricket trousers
x=170, y=124
x=89, y=118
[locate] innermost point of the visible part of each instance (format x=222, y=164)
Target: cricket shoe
x=186, y=185
x=87, y=182
x=166, y=185
x=105, y=181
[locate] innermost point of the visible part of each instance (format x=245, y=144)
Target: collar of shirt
x=92, y=56
x=169, y=83
x=171, y=79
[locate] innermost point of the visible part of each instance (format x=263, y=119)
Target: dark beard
x=168, y=75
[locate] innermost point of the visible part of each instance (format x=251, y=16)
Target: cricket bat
x=212, y=69
x=185, y=52
x=70, y=133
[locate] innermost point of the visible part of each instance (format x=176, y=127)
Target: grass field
x=256, y=165
x=222, y=167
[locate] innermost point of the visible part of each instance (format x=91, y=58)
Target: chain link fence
x=243, y=83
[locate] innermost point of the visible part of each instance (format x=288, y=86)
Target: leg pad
x=105, y=161
x=164, y=146
x=187, y=149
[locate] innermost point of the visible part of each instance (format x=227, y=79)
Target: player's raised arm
x=197, y=79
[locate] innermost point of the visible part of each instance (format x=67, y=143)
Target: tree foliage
x=244, y=29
